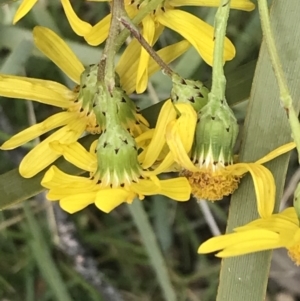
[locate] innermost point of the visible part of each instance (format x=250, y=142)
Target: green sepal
x=88, y=86
x=215, y=135
x=189, y=91
x=117, y=156
x=126, y=110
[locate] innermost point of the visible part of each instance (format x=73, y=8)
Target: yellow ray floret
x=75, y=193
x=277, y=231
x=211, y=180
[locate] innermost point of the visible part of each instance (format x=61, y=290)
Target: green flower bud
x=215, y=136
x=189, y=91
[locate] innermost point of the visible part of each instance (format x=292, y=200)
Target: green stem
x=106, y=71
x=218, y=78
x=285, y=95
x=143, y=12
x=158, y=263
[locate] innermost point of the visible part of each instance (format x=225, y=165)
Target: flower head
x=78, y=115
x=277, y=231
x=208, y=139
x=112, y=182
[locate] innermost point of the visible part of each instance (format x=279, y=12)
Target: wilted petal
x=264, y=184
x=277, y=152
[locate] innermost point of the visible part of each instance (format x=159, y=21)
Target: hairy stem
x=218, y=78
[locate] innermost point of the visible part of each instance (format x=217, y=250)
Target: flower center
x=294, y=253
x=211, y=184
x=87, y=115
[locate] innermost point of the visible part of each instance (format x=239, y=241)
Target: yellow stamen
x=211, y=185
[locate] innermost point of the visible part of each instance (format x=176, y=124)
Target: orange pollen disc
x=294, y=253
x=211, y=185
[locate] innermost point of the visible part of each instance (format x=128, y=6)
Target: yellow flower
x=78, y=116
x=197, y=32
x=277, y=231
x=80, y=27
x=109, y=189
x=209, y=179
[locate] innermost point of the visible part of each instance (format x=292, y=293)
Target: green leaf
x=266, y=127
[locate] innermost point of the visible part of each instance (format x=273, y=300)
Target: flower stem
x=106, y=71
x=218, y=78
x=136, y=33
x=285, y=96
x=156, y=258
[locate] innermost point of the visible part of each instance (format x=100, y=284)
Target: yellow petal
x=80, y=27
x=44, y=91
x=127, y=66
x=197, y=32
x=178, y=149
x=236, y=4
x=109, y=199
x=55, y=178
x=142, y=72
x=37, y=130
x=42, y=155
x=128, y=63
x=77, y=202
x=146, y=187
x=274, y=223
x=166, y=114
x=264, y=184
x=76, y=154
x=58, y=52
x=256, y=245
x=72, y=189
x=186, y=125
x=177, y=189
x=164, y=166
x=255, y=240
x=144, y=136
x=24, y=8
x=168, y=54
x=277, y=152
x=99, y=32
